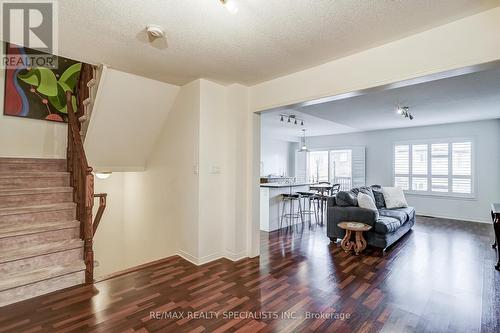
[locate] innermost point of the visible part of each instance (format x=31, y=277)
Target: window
x=343, y=165
x=341, y=168
x=318, y=166
x=443, y=167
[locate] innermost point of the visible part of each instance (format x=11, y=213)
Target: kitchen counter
x=281, y=185
x=271, y=205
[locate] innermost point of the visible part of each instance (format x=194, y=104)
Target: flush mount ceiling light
x=230, y=6
x=155, y=31
x=405, y=112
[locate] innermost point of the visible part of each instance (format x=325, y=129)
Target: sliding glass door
x=341, y=168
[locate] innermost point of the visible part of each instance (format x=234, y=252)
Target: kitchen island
x=271, y=203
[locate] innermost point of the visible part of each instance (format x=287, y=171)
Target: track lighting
x=292, y=117
x=405, y=112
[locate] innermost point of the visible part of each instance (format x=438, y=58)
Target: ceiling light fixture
x=230, y=6
x=155, y=31
x=405, y=112
x=291, y=117
x=303, y=145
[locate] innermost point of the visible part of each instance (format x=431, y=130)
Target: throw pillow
x=379, y=196
x=365, y=201
x=346, y=199
x=394, y=197
x=363, y=189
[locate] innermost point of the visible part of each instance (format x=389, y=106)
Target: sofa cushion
x=394, y=197
x=379, y=196
x=410, y=212
x=346, y=199
x=397, y=214
x=387, y=225
x=402, y=214
x=365, y=201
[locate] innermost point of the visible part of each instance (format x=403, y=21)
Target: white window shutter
x=439, y=166
x=358, y=166
x=402, y=160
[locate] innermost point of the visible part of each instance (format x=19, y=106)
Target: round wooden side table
x=359, y=244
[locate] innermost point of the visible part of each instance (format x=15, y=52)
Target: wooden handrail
x=102, y=206
x=82, y=181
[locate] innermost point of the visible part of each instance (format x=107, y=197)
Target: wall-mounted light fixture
x=230, y=5
x=103, y=175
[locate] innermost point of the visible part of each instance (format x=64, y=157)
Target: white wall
x=224, y=168
x=191, y=200
x=110, y=249
x=379, y=145
x=127, y=118
x=154, y=214
x=277, y=157
x=23, y=137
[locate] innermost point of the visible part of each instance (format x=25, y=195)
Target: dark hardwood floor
x=438, y=278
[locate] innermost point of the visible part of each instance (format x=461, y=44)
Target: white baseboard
x=453, y=218
x=187, y=256
x=235, y=256
x=211, y=257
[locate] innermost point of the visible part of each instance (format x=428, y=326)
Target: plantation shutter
x=358, y=166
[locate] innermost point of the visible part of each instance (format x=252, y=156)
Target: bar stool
x=292, y=215
x=311, y=210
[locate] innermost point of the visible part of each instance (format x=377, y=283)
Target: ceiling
x=463, y=98
x=264, y=40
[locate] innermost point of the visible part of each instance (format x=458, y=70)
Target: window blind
x=442, y=167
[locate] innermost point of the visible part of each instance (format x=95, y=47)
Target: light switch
x=215, y=170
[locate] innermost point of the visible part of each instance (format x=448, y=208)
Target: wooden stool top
x=354, y=226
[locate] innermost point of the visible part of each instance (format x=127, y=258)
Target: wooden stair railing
x=102, y=206
x=82, y=181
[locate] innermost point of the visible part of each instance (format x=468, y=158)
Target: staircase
x=40, y=240
x=88, y=85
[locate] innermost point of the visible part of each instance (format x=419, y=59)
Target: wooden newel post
x=89, y=229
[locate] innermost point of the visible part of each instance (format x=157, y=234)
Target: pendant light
x=303, y=145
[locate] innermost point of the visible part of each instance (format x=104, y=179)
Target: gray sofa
x=388, y=225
